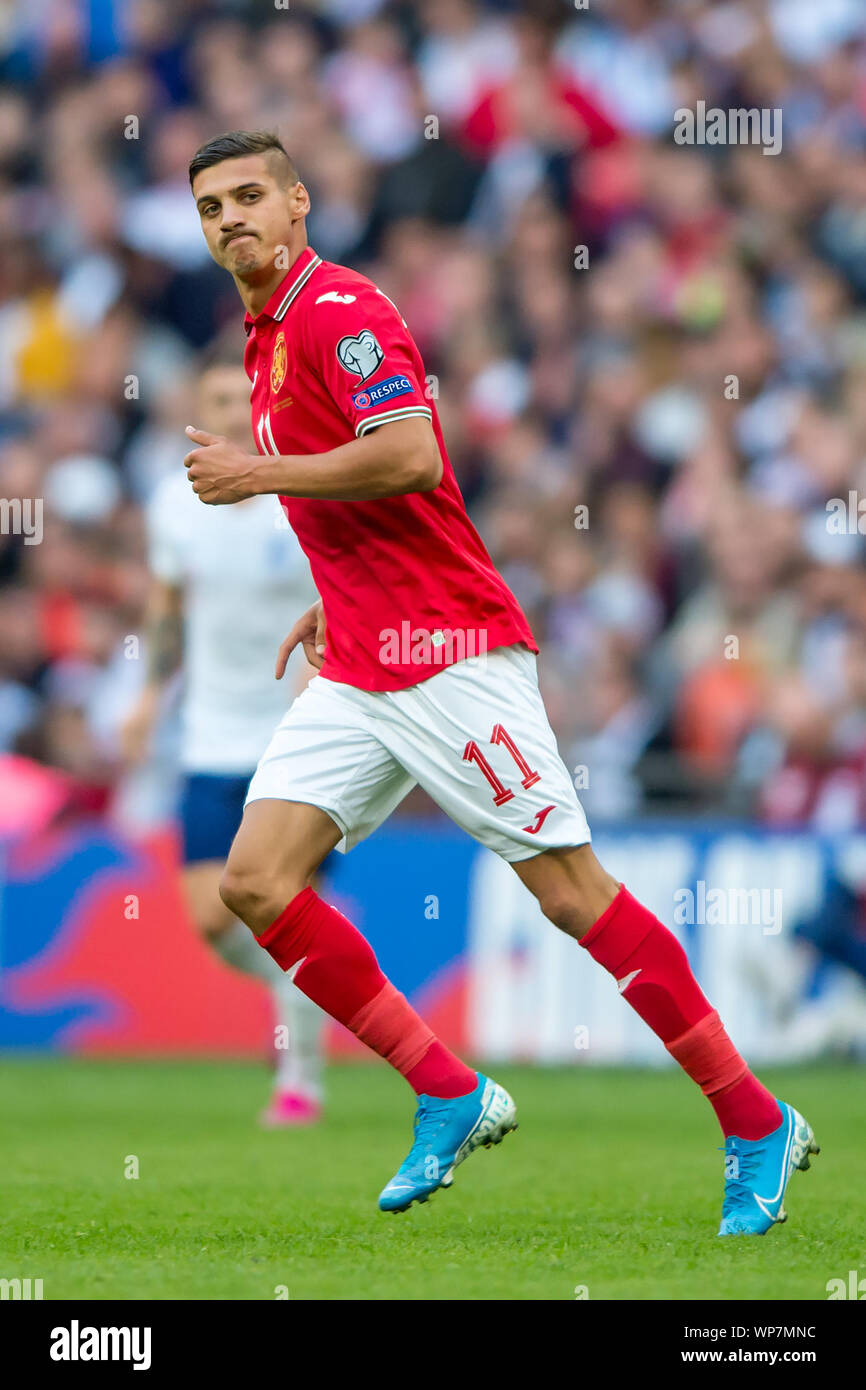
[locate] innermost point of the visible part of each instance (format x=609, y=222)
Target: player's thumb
x=202, y=437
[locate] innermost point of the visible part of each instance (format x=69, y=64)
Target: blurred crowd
x=649, y=357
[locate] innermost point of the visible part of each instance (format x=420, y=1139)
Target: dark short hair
x=237, y=143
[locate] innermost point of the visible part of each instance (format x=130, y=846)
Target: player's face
x=224, y=403
x=246, y=213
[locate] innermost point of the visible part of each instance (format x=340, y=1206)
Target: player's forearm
x=387, y=462
x=163, y=635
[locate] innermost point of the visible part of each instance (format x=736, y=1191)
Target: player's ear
x=300, y=200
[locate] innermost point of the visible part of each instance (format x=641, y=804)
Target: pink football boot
x=290, y=1108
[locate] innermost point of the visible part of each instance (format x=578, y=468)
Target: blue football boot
x=757, y=1173
x=446, y=1132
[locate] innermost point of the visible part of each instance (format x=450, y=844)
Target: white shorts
x=475, y=736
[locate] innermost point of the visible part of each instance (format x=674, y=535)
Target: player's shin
x=336, y=967
x=655, y=978
x=299, y=1061
x=298, y=1053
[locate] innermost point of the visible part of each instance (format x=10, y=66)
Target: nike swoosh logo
x=623, y=984
x=293, y=969
x=766, y=1203
x=539, y=820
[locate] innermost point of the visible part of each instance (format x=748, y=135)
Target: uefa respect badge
x=383, y=391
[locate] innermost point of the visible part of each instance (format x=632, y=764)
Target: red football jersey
x=406, y=582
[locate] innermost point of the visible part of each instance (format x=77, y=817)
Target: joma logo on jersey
x=278, y=363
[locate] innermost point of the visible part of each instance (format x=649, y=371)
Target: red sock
x=340, y=973
x=655, y=978
x=743, y=1106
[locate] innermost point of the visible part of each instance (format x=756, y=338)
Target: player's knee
x=565, y=910
x=255, y=896
x=233, y=890
x=246, y=894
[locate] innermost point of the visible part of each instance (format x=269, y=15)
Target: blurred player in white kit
x=223, y=582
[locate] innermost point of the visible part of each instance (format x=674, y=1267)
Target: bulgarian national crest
x=278, y=363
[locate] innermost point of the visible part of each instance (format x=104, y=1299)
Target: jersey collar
x=288, y=289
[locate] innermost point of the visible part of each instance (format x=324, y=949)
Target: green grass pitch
x=613, y=1182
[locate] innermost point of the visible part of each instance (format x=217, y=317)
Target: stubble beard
x=246, y=261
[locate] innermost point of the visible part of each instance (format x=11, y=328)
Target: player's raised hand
x=219, y=471
x=310, y=631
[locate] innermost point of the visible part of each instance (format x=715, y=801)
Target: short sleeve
x=165, y=545
x=360, y=347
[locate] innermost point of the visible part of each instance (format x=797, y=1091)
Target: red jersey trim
x=282, y=298
x=297, y=287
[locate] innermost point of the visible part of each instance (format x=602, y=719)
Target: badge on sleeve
x=361, y=355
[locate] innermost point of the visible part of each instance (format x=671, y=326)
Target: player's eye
x=246, y=196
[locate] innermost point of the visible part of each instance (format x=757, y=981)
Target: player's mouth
x=238, y=236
